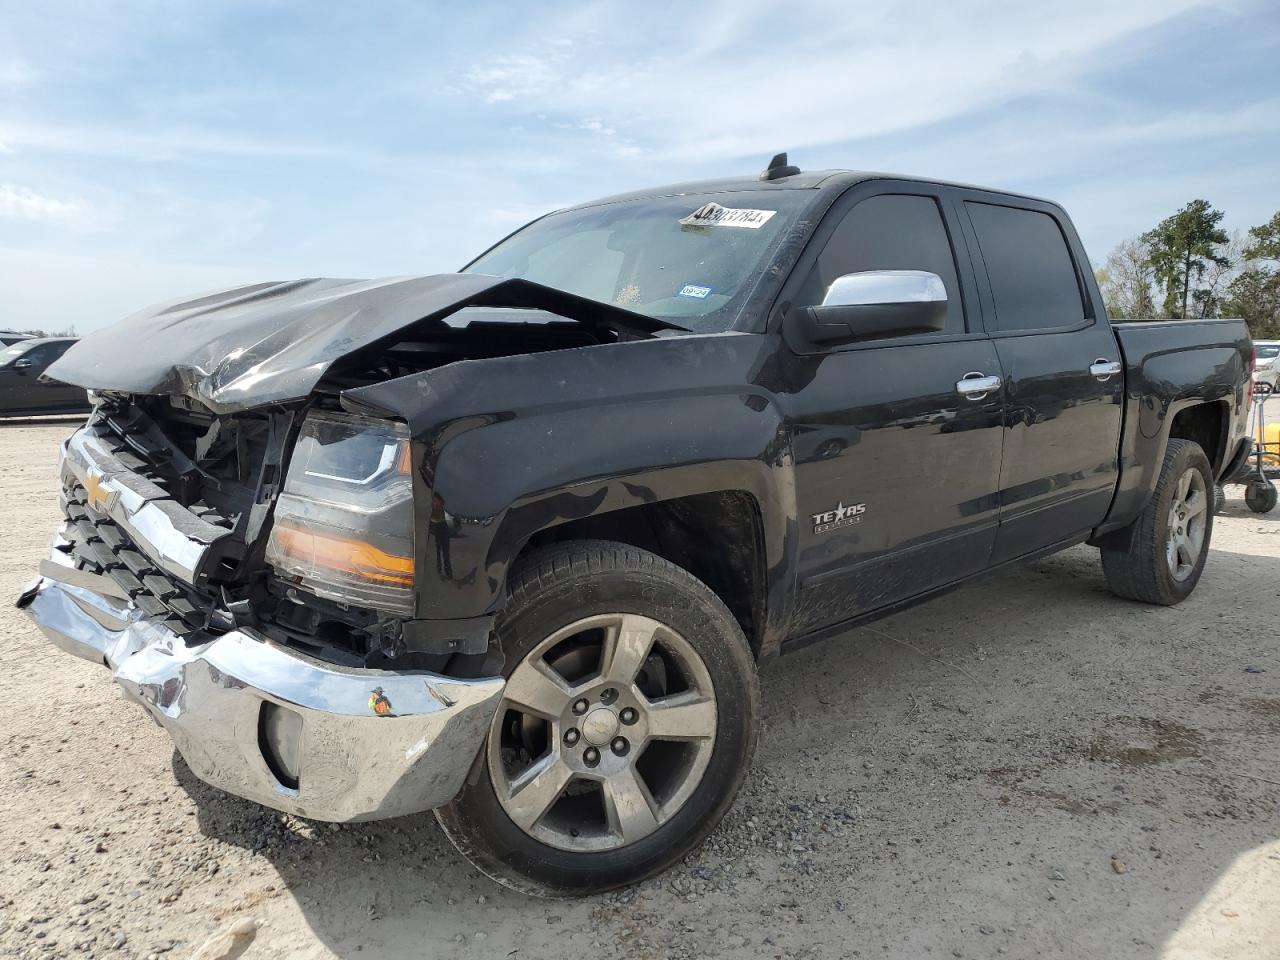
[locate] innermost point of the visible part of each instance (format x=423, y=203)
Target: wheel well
x=715, y=536
x=1203, y=424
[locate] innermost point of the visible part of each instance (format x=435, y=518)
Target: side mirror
x=870, y=306
x=22, y=364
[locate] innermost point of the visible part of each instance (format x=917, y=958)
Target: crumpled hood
x=273, y=342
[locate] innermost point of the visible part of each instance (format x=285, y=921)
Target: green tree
x=1266, y=240
x=1255, y=296
x=1182, y=246
x=1255, y=293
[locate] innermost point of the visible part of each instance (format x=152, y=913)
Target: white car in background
x=1266, y=371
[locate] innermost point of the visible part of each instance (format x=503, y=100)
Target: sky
x=155, y=148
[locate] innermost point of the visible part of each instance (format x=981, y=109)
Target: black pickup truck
x=510, y=543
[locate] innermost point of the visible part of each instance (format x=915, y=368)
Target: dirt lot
x=1028, y=768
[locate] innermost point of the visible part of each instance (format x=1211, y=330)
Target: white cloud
x=157, y=144
x=55, y=291
x=130, y=141
x=21, y=203
x=15, y=74
x=517, y=76
x=1253, y=118
x=1133, y=200
x=742, y=77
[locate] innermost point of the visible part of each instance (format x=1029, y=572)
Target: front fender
x=497, y=485
x=511, y=445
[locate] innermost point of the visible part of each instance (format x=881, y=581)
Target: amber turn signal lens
x=352, y=557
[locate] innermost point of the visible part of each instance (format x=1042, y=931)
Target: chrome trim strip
x=61, y=570
x=169, y=534
x=373, y=744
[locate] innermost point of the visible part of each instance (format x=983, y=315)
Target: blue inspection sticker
x=695, y=291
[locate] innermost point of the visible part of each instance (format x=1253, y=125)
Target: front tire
x=1165, y=549
x=625, y=730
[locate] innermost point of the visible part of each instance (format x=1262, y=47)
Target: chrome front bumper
x=252, y=717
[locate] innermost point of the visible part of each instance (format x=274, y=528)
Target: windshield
x=693, y=260
x=1268, y=352
x=10, y=354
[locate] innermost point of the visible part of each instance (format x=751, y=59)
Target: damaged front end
x=239, y=549
x=156, y=573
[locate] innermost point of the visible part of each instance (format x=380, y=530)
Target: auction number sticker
x=714, y=215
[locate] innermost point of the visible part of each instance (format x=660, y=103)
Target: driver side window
x=39, y=357
x=889, y=232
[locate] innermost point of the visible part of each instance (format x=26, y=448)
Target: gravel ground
x=1029, y=768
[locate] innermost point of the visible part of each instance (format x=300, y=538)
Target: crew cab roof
x=834, y=181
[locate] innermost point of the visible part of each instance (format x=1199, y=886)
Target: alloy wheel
x=1188, y=516
x=604, y=732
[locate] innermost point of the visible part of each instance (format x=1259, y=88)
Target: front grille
x=141, y=446
x=100, y=545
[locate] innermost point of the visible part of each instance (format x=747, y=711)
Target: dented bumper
x=266, y=723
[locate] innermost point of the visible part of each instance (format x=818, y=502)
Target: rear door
x=57, y=394
x=895, y=469
x=1063, y=379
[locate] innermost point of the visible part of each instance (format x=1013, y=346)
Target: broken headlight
x=344, y=521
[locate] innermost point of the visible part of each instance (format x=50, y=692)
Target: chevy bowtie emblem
x=99, y=497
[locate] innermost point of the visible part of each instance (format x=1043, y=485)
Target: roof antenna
x=779, y=168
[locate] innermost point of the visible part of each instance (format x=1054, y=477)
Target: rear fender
x=1157, y=389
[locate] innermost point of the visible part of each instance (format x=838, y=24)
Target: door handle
x=1104, y=369
x=975, y=385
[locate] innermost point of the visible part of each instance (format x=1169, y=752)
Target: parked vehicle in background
x=510, y=543
x=9, y=337
x=24, y=387
x=1266, y=372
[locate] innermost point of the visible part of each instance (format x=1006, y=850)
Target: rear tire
x=588, y=780
x=1167, y=545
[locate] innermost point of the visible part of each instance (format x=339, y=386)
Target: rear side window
x=1033, y=279
x=889, y=232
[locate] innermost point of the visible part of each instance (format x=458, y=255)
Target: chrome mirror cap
x=885, y=286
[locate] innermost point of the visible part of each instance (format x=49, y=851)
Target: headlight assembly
x=344, y=520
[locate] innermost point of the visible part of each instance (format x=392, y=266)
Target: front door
x=16, y=381
x=896, y=469
x=1063, y=380
x=24, y=389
